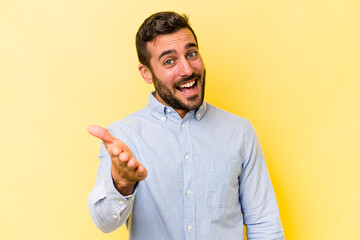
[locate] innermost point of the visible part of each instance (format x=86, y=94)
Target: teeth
x=187, y=85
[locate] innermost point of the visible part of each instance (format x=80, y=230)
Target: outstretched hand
x=126, y=171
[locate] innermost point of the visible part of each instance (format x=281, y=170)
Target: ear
x=145, y=73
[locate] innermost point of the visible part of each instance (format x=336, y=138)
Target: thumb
x=101, y=133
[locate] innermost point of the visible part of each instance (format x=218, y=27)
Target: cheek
x=167, y=77
x=198, y=65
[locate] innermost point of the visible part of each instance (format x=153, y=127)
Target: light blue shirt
x=207, y=177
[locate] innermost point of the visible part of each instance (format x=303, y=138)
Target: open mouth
x=188, y=86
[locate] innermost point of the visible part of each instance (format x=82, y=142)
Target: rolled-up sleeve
x=108, y=208
x=257, y=197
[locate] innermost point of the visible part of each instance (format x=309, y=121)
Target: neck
x=182, y=113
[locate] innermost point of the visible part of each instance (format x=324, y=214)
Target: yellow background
x=291, y=67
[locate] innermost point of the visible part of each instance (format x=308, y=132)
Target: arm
x=257, y=197
x=111, y=200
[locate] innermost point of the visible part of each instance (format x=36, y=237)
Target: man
x=181, y=168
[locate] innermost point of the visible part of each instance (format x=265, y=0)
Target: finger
x=141, y=172
x=124, y=157
x=119, y=160
x=115, y=149
x=132, y=164
x=101, y=133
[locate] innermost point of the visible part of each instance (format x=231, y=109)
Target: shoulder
x=224, y=117
x=125, y=127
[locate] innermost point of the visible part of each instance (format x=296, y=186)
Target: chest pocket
x=222, y=185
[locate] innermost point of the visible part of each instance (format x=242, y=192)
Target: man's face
x=178, y=72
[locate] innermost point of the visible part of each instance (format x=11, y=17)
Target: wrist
x=123, y=186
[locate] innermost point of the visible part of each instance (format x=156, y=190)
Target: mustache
x=186, y=79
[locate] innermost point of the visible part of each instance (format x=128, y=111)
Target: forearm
x=270, y=229
x=109, y=213
x=108, y=208
x=259, y=204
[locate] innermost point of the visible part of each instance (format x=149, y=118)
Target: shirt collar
x=162, y=112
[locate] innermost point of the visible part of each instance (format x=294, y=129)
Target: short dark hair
x=155, y=25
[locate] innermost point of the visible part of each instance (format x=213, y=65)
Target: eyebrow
x=189, y=45
x=165, y=53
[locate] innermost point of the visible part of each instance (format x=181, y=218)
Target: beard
x=193, y=102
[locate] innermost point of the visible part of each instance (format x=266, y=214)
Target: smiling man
x=181, y=168
x=177, y=71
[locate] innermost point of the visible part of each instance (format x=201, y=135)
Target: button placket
x=189, y=179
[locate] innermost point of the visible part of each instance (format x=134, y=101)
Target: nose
x=185, y=68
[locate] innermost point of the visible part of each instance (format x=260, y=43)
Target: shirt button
x=198, y=115
x=182, y=125
x=187, y=157
x=189, y=228
x=122, y=202
x=163, y=119
x=188, y=192
x=168, y=110
x=115, y=216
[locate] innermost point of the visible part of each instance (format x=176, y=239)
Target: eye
x=169, y=62
x=192, y=54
